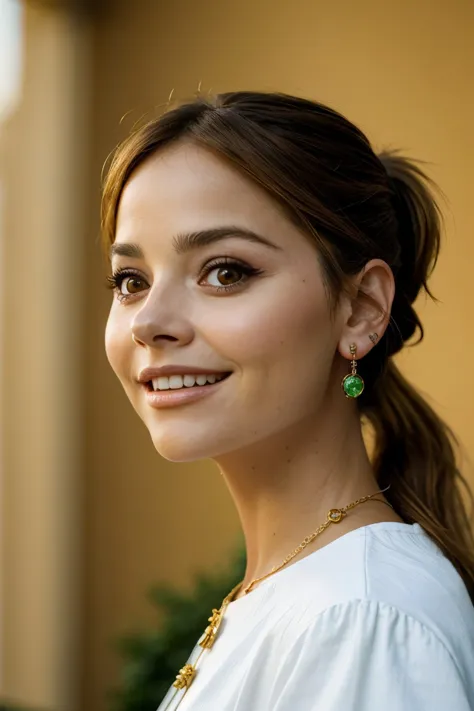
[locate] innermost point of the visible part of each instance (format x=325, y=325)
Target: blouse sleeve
x=369, y=656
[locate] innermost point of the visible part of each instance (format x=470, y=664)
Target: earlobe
x=347, y=353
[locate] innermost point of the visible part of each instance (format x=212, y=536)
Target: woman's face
x=271, y=329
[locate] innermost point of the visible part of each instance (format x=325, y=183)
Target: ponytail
x=414, y=448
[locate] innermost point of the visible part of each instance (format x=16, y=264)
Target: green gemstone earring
x=353, y=384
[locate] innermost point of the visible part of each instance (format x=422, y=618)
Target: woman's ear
x=374, y=291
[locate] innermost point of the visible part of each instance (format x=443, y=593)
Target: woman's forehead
x=186, y=187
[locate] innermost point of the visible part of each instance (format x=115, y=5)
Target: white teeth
x=176, y=382
x=160, y=383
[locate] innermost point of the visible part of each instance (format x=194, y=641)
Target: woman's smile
x=180, y=394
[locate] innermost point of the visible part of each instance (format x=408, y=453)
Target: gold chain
x=334, y=516
x=186, y=675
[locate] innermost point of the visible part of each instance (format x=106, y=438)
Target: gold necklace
x=187, y=674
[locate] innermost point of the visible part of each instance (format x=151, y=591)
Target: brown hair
x=356, y=206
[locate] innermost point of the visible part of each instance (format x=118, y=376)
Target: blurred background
x=91, y=516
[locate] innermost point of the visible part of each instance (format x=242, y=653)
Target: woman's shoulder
x=404, y=568
x=389, y=562
x=391, y=570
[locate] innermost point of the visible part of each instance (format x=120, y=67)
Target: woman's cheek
x=116, y=342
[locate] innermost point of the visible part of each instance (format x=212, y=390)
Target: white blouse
x=377, y=620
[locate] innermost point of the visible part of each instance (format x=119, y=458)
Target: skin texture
x=284, y=437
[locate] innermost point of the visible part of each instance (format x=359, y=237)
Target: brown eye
x=132, y=285
x=225, y=276
x=228, y=275
x=126, y=283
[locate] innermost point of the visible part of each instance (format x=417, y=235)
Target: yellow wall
x=42, y=169
x=403, y=71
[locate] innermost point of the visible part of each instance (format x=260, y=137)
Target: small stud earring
x=374, y=337
x=353, y=384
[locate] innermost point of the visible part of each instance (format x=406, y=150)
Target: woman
x=258, y=240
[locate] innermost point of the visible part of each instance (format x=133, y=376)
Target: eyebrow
x=189, y=242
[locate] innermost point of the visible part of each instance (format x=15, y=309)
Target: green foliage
x=153, y=658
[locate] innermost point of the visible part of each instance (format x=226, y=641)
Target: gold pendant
x=185, y=677
x=211, y=630
x=335, y=515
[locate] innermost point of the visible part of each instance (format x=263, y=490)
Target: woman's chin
x=179, y=449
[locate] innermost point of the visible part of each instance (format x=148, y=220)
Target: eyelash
x=115, y=280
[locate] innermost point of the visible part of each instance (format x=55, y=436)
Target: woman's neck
x=284, y=487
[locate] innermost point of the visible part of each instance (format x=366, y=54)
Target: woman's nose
x=155, y=324
x=150, y=334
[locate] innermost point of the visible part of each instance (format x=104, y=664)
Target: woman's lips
x=172, y=398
